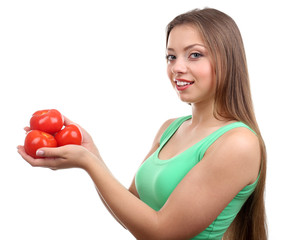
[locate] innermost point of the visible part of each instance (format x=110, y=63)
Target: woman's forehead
x=184, y=35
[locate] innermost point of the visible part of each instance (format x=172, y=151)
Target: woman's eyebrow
x=188, y=47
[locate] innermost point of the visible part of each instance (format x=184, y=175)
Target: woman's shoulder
x=242, y=135
x=239, y=138
x=173, y=121
x=242, y=146
x=165, y=126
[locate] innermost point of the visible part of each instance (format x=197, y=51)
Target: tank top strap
x=172, y=128
x=210, y=139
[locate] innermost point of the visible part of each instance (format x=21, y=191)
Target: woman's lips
x=182, y=84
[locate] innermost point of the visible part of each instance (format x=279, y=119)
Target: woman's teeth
x=183, y=83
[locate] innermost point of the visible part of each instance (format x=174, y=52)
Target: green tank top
x=156, y=179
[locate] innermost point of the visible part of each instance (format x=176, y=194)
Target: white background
x=101, y=63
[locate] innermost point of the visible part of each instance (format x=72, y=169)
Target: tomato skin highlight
x=71, y=134
x=49, y=121
x=36, y=139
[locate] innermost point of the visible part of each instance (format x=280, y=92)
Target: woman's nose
x=179, y=66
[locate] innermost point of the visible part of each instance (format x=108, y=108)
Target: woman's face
x=190, y=67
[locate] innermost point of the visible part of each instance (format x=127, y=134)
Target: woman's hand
x=87, y=139
x=68, y=156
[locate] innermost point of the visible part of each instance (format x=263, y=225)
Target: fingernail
x=40, y=153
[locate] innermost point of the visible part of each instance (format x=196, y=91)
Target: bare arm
x=194, y=204
x=188, y=212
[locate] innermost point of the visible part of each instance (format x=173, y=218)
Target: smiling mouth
x=183, y=83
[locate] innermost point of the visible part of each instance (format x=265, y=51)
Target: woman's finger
x=27, y=129
x=32, y=161
x=50, y=152
x=67, y=121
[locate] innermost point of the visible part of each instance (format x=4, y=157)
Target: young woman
x=204, y=176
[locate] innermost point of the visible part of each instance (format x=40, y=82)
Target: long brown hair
x=232, y=101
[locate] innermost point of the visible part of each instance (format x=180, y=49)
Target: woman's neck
x=203, y=115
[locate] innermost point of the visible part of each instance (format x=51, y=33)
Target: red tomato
x=49, y=121
x=36, y=139
x=71, y=134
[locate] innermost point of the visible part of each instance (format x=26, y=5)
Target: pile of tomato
x=47, y=130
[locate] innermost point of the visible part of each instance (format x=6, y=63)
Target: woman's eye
x=195, y=55
x=170, y=58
